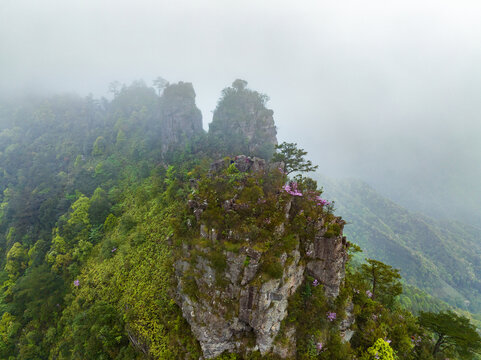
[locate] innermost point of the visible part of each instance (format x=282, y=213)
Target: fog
x=387, y=91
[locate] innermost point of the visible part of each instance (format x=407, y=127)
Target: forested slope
x=442, y=257
x=116, y=214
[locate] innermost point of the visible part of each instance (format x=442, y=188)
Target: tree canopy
x=384, y=280
x=293, y=158
x=453, y=332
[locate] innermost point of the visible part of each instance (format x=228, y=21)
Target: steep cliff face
x=242, y=122
x=233, y=284
x=180, y=117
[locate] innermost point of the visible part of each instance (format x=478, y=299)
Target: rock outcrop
x=326, y=260
x=242, y=123
x=244, y=164
x=235, y=307
x=180, y=117
x=225, y=318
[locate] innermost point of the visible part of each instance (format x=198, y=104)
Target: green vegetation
x=441, y=258
x=453, y=333
x=242, y=124
x=99, y=199
x=380, y=350
x=293, y=158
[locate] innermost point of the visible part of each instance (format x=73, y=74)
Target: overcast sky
x=388, y=91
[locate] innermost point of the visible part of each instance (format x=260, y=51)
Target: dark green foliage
x=293, y=158
x=384, y=281
x=333, y=230
x=38, y=294
x=97, y=333
x=452, y=332
x=217, y=259
x=242, y=124
x=94, y=212
x=99, y=207
x=439, y=257
x=272, y=267
x=308, y=311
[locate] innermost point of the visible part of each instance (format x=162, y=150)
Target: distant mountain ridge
x=442, y=257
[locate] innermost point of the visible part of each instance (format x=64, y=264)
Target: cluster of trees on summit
x=92, y=191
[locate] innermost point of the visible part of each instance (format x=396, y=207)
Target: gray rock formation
x=244, y=164
x=180, y=117
x=225, y=318
x=237, y=308
x=323, y=265
x=242, y=123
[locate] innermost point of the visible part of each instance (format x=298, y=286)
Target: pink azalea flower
x=331, y=316
x=291, y=188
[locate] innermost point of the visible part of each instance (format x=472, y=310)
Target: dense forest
x=439, y=256
x=108, y=207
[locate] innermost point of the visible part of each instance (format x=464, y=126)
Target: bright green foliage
x=17, y=261
x=453, y=332
x=9, y=328
x=72, y=241
x=293, y=158
x=128, y=290
x=94, y=211
x=375, y=319
x=36, y=254
x=78, y=223
x=379, y=351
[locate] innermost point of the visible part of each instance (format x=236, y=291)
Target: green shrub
x=333, y=230
x=272, y=267
x=379, y=351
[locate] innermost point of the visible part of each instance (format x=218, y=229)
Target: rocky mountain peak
x=180, y=117
x=234, y=282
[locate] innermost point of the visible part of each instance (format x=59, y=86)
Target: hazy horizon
x=380, y=90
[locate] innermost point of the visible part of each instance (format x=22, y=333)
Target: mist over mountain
x=150, y=210
x=442, y=257
x=384, y=91
x=129, y=232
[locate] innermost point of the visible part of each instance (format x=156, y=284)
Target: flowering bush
x=291, y=188
x=331, y=316
x=322, y=202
